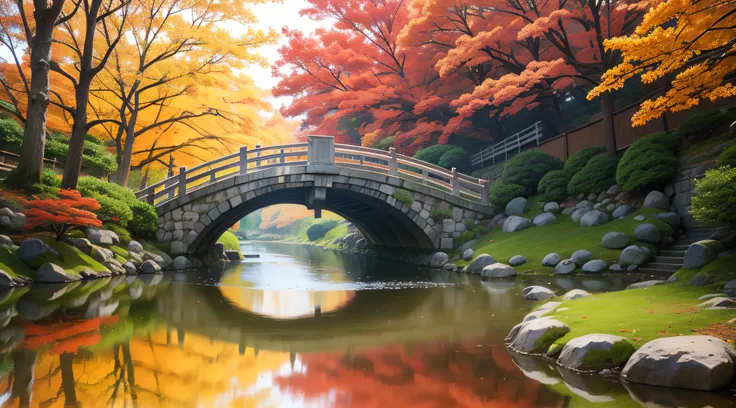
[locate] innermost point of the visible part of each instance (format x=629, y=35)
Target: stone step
x=672, y=253
x=668, y=259
x=661, y=273
x=664, y=266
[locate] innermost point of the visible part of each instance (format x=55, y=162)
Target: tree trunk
x=609, y=135
x=73, y=163
x=24, y=362
x=34, y=135
x=67, y=379
x=123, y=171
x=144, y=177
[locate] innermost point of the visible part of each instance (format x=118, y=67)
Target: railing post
x=283, y=159
x=393, y=164
x=455, y=183
x=258, y=154
x=244, y=160
x=361, y=160
x=484, y=194
x=151, y=197
x=425, y=176
x=518, y=143
x=182, y=182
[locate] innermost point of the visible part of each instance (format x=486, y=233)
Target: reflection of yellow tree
x=286, y=304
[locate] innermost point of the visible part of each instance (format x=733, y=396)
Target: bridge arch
x=356, y=186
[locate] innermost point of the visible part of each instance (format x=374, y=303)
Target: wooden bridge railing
x=261, y=158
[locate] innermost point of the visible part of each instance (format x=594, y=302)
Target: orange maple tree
x=61, y=215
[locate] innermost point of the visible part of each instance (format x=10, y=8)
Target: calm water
x=298, y=327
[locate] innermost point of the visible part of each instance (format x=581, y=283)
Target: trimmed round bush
x=728, y=157
x=579, y=159
x=502, y=193
x=457, y=158
x=113, y=210
x=433, y=154
x=145, y=219
x=648, y=162
x=715, y=197
x=140, y=217
x=88, y=185
x=553, y=186
x=527, y=168
x=596, y=176
x=317, y=231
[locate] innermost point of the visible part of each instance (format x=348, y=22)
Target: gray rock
x=592, y=196
x=516, y=223
x=517, y=206
x=468, y=254
x=113, y=265
x=725, y=235
x=595, y=266
x=135, y=247
x=701, y=280
x=583, y=204
x=551, y=260
x=701, y=253
x=500, y=222
x=613, y=190
x=568, y=211
x=535, y=336
x=467, y=245
x=730, y=285
x=99, y=237
x=497, y=218
x=481, y=261
x=181, y=263
x=671, y=218
x=517, y=260
x=632, y=255
x=632, y=268
x=498, y=270
x=615, y=240
x=581, y=256
x=616, y=268
x=594, y=218
x=541, y=311
x=32, y=248
x=537, y=293
x=149, y=267
x=639, y=218
x=5, y=222
x=595, y=352
x=611, y=207
x=6, y=281
x=646, y=284
x=52, y=273
x=448, y=225
x=5, y=241
x=130, y=269
x=437, y=260
x=718, y=302
x=576, y=294
x=551, y=207
x=694, y=362
x=449, y=266
x=648, y=233
x=565, y=267
x=656, y=199
x=580, y=212
x=597, y=206
x=544, y=219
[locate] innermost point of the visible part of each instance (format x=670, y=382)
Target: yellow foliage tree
x=691, y=40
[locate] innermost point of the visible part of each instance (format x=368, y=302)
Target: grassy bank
x=327, y=241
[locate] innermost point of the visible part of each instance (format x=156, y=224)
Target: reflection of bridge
x=358, y=183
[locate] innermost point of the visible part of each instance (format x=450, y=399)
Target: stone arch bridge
x=360, y=184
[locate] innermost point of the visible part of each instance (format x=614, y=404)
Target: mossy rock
x=595, y=352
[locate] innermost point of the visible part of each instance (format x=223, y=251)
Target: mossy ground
x=10, y=263
x=70, y=258
x=640, y=315
x=719, y=271
x=562, y=236
x=325, y=242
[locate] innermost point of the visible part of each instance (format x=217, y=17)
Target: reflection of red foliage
x=70, y=335
x=70, y=210
x=427, y=376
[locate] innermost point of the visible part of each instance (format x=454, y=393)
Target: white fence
x=528, y=137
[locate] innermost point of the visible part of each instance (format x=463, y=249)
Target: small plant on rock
x=439, y=214
x=69, y=211
x=403, y=196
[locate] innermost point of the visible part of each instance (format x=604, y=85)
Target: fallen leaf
x=636, y=339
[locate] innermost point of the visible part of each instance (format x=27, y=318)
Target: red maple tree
x=70, y=210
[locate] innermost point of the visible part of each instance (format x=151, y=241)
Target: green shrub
x=317, y=231
x=502, y=193
x=728, y=157
x=703, y=124
x=50, y=178
x=145, y=219
x=123, y=233
x=466, y=236
x=230, y=241
x=648, y=162
x=715, y=197
x=385, y=143
x=433, y=154
x=96, y=160
x=11, y=135
x=439, y=214
x=596, y=176
x=112, y=210
x=88, y=185
x=403, y=196
x=457, y=158
x=553, y=186
x=469, y=224
x=527, y=168
x=579, y=159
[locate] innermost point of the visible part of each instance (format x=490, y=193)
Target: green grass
x=230, y=241
x=721, y=270
x=70, y=258
x=300, y=235
x=704, y=147
x=562, y=236
x=639, y=315
x=10, y=263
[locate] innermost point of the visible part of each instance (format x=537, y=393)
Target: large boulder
x=438, y=259
x=102, y=237
x=551, y=207
x=498, y=270
x=615, y=240
x=576, y=294
x=655, y=199
x=694, y=362
x=544, y=219
x=130, y=268
x=581, y=256
x=565, y=267
x=52, y=273
x=595, y=266
x=671, y=218
x=517, y=260
x=181, y=263
x=468, y=254
x=632, y=255
x=701, y=253
x=593, y=218
x=648, y=233
x=541, y=311
x=149, y=267
x=535, y=336
x=578, y=213
x=537, y=293
x=32, y=249
x=135, y=247
x=622, y=211
x=517, y=206
x=516, y=223
x=551, y=259
x=595, y=352
x=477, y=265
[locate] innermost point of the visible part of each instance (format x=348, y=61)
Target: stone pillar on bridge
x=320, y=157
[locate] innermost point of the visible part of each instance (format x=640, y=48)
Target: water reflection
x=247, y=335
